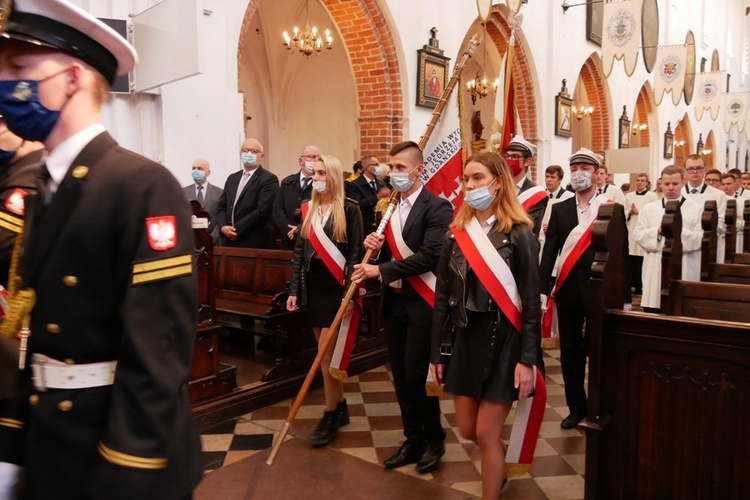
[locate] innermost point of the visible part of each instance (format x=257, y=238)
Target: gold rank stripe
x=119, y=458
x=162, y=269
x=13, y=424
x=11, y=223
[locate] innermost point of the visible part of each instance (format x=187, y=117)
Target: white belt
x=50, y=373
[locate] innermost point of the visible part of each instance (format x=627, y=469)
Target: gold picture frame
x=563, y=112
x=433, y=73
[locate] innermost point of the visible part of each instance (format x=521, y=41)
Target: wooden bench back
x=741, y=258
x=720, y=301
x=250, y=274
x=729, y=273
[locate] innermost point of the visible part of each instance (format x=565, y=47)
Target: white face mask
x=581, y=181
x=309, y=167
x=320, y=186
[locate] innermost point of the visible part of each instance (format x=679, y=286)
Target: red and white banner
x=335, y=262
x=493, y=272
x=574, y=247
x=444, y=156
x=526, y=424
x=532, y=196
x=424, y=283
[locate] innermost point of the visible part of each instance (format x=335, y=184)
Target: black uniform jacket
x=456, y=288
x=252, y=215
x=289, y=198
x=111, y=261
x=427, y=222
x=537, y=211
x=351, y=249
x=361, y=191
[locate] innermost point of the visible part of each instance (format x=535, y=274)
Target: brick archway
x=595, y=86
x=683, y=140
x=374, y=64
x=710, y=158
x=645, y=114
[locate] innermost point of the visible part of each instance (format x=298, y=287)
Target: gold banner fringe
x=433, y=389
x=551, y=343
x=516, y=470
x=338, y=374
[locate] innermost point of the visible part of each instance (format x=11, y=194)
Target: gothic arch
x=683, y=140
x=597, y=131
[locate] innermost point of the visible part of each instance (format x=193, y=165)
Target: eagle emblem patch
x=14, y=203
x=162, y=232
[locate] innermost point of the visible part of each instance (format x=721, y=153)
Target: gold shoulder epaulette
x=162, y=269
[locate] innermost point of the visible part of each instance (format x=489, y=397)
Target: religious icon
x=433, y=73
x=563, y=108
x=624, y=129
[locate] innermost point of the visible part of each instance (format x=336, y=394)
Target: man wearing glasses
x=534, y=198
x=366, y=189
x=244, y=212
x=698, y=191
x=295, y=189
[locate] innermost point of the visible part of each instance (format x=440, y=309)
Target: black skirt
x=484, y=359
x=324, y=295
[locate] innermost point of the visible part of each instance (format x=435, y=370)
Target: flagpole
x=392, y=201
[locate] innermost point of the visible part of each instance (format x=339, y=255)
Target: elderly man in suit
x=206, y=194
x=294, y=190
x=367, y=189
x=245, y=207
x=406, y=266
x=108, y=253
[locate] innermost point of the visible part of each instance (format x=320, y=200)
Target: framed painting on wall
x=433, y=75
x=563, y=112
x=668, y=143
x=624, y=129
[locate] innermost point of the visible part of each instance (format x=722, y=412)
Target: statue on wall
x=476, y=126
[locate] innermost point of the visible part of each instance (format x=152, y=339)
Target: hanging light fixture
x=308, y=40
x=581, y=112
x=479, y=86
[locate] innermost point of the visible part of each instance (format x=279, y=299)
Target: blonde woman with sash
x=490, y=251
x=331, y=230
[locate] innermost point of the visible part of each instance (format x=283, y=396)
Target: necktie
x=306, y=183
x=551, y=195
x=372, y=185
x=599, y=191
x=736, y=195
x=200, y=195
x=243, y=180
x=694, y=191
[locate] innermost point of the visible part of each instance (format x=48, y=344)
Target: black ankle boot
x=326, y=430
x=342, y=410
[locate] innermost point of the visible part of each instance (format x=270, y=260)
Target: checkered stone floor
x=375, y=433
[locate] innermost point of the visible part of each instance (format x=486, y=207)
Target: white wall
x=203, y=116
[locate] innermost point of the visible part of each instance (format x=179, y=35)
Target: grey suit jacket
x=210, y=202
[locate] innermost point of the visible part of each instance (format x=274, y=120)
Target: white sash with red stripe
x=574, y=247
x=335, y=262
x=532, y=196
x=496, y=277
x=493, y=272
x=424, y=283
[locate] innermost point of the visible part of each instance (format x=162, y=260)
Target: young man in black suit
x=295, y=189
x=108, y=252
x=366, y=190
x=518, y=156
x=572, y=297
x=244, y=212
x=406, y=267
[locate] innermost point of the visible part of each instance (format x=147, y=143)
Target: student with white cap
x=518, y=156
x=108, y=254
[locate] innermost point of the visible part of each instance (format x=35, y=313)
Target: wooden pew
x=668, y=417
x=730, y=273
x=671, y=252
x=730, y=217
x=741, y=258
x=716, y=301
x=746, y=229
x=709, y=222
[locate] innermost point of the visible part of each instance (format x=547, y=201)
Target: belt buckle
x=37, y=370
x=446, y=350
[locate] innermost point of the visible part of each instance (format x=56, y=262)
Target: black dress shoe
x=326, y=430
x=431, y=458
x=409, y=453
x=571, y=421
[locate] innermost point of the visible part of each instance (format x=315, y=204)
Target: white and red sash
x=335, y=262
x=574, y=247
x=496, y=277
x=532, y=196
x=424, y=283
x=491, y=270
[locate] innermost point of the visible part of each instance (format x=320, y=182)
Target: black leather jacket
x=458, y=288
x=351, y=249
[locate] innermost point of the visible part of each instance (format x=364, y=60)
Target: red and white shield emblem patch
x=14, y=203
x=162, y=232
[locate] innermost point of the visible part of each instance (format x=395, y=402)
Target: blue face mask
x=479, y=198
x=249, y=159
x=24, y=114
x=401, y=181
x=378, y=171
x=198, y=175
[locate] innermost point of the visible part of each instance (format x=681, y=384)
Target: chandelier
x=480, y=87
x=582, y=112
x=308, y=40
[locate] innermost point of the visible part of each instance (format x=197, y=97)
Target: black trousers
x=409, y=351
x=636, y=267
x=573, y=356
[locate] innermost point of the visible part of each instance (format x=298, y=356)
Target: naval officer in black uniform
x=108, y=251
